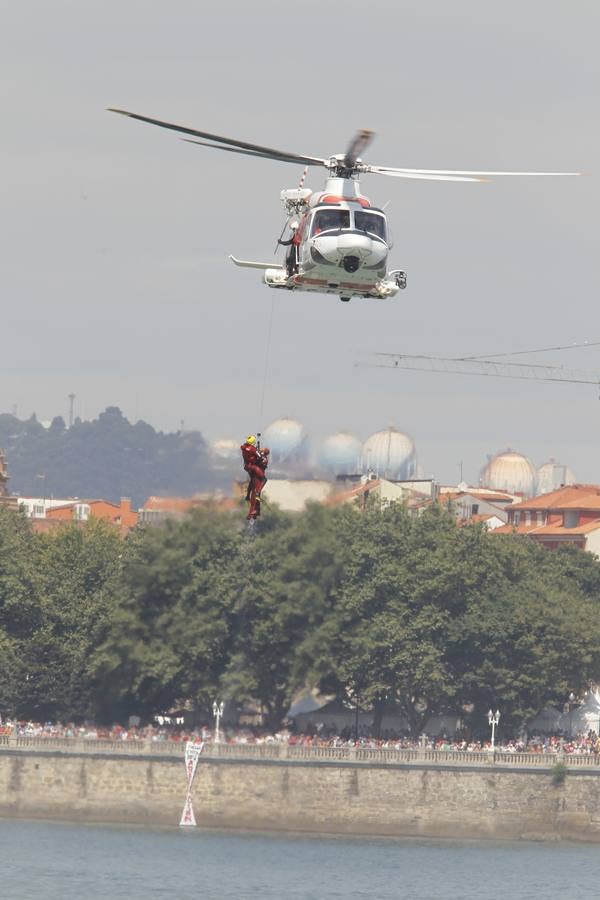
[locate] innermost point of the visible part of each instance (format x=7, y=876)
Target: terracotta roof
x=184, y=504
x=515, y=529
x=450, y=496
x=484, y=518
x=560, y=529
x=171, y=504
x=477, y=519
x=543, y=530
x=557, y=499
x=412, y=498
x=55, y=510
x=340, y=497
x=40, y=526
x=590, y=501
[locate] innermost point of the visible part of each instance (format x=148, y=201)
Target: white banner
x=192, y=752
x=188, y=818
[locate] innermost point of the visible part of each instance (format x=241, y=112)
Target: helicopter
x=339, y=241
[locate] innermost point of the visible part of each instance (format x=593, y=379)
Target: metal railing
x=302, y=753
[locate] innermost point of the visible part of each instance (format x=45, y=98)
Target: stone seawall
x=423, y=800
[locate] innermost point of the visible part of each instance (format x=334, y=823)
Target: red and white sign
x=192, y=752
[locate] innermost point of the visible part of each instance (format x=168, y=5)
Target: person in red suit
x=255, y=463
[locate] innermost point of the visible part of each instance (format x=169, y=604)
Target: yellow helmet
x=251, y=439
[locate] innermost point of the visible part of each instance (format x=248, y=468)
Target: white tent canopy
x=575, y=720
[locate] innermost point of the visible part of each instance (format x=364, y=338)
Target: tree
x=107, y=457
x=389, y=632
x=168, y=638
x=80, y=570
x=433, y=617
x=376, y=607
x=19, y=574
x=533, y=638
x=20, y=612
x=285, y=580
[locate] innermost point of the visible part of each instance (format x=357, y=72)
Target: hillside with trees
x=371, y=607
x=105, y=458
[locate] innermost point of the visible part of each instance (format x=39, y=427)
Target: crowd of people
x=177, y=733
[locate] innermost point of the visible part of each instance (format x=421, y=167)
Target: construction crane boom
x=484, y=367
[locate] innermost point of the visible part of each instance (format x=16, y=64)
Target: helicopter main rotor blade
x=244, y=145
x=358, y=143
x=387, y=170
x=281, y=157
x=419, y=176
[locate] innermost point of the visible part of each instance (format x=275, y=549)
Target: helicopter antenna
x=303, y=178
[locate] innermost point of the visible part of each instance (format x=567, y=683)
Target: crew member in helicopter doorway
x=255, y=463
x=291, y=260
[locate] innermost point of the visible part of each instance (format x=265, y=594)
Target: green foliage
x=169, y=636
x=55, y=594
x=285, y=578
x=81, y=568
x=375, y=607
x=107, y=457
x=19, y=574
x=559, y=773
x=433, y=618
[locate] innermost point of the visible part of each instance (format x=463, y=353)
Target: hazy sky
x=115, y=235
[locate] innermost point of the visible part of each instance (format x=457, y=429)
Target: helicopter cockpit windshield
x=371, y=223
x=330, y=220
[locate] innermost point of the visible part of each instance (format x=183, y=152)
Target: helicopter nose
x=378, y=253
x=357, y=244
x=359, y=249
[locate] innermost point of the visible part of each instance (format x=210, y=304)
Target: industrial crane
x=491, y=365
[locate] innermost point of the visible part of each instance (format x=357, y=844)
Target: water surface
x=63, y=862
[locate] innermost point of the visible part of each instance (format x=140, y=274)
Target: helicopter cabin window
x=372, y=224
x=330, y=220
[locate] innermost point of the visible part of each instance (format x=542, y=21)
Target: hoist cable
x=266, y=368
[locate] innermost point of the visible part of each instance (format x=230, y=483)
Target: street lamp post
x=571, y=699
x=493, y=719
x=217, y=713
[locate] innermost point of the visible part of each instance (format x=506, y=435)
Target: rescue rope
x=266, y=369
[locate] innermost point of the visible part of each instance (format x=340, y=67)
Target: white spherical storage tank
x=553, y=475
x=509, y=471
x=390, y=454
x=341, y=454
x=286, y=439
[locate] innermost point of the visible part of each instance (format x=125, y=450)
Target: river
x=64, y=862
